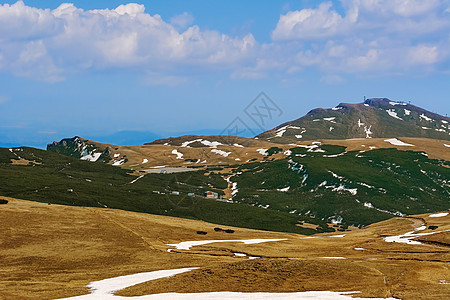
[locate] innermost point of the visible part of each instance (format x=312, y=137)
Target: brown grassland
x=161, y=155
x=54, y=251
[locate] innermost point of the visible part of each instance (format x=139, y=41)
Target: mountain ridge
x=373, y=118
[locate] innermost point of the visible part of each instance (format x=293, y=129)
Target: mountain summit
x=374, y=118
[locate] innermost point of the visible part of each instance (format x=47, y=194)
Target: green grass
x=387, y=182
x=60, y=179
x=392, y=181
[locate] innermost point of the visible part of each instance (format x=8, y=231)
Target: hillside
x=54, y=251
x=284, y=189
x=374, y=118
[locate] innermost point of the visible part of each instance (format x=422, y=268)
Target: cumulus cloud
x=370, y=36
x=50, y=44
x=182, y=21
x=363, y=36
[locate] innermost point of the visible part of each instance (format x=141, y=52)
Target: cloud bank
x=374, y=37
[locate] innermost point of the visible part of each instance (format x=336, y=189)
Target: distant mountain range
x=354, y=164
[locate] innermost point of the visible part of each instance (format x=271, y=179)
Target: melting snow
x=438, y=215
x=92, y=157
x=220, y=152
x=116, y=155
x=447, y=145
x=210, y=144
x=343, y=188
x=422, y=116
x=133, y=181
x=337, y=108
x=287, y=152
x=262, y=151
x=397, y=103
x=407, y=112
x=393, y=114
x=188, y=244
x=118, y=163
x=237, y=145
x=331, y=119
x=284, y=189
x=145, y=161
x=178, y=154
x=360, y=123
x=397, y=142
x=104, y=289
x=368, y=131
x=186, y=144
x=408, y=237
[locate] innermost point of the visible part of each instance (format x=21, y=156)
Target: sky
x=124, y=72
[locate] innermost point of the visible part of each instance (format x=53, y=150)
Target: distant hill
x=374, y=118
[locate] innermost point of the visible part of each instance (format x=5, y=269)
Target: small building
x=212, y=195
x=175, y=193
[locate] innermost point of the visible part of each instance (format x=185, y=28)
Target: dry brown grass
x=53, y=251
x=161, y=155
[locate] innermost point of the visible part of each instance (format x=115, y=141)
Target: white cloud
x=371, y=36
x=367, y=36
x=182, y=21
x=50, y=44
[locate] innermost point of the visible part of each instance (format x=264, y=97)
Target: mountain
x=81, y=148
x=374, y=118
x=314, y=183
x=359, y=167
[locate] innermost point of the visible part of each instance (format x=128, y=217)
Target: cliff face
x=81, y=148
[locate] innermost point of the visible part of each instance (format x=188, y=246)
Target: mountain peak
x=373, y=118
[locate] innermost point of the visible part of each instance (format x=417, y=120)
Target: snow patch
x=422, y=116
x=145, y=161
x=178, y=154
x=397, y=103
x=188, y=244
x=187, y=143
x=91, y=157
x=284, y=189
x=262, y=151
x=220, y=152
x=397, y=142
x=439, y=215
x=393, y=114
x=119, y=163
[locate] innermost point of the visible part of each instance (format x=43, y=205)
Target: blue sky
x=94, y=68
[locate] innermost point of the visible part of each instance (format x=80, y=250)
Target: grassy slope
x=54, y=251
x=388, y=179
x=65, y=180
